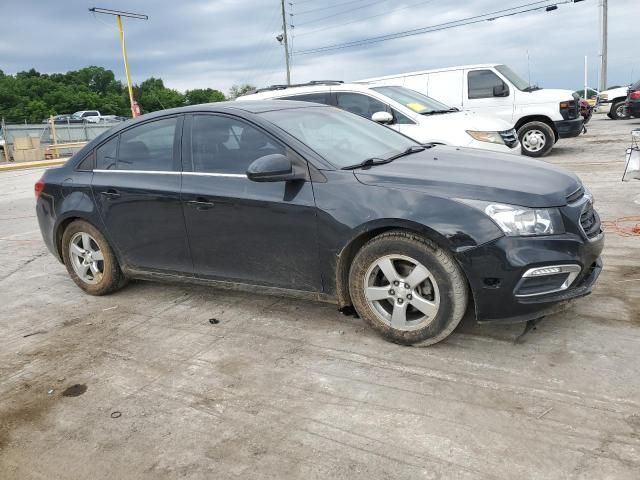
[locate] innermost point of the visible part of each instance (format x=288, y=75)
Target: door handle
x=111, y=193
x=200, y=203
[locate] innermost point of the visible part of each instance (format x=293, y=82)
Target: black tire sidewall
x=112, y=277
x=613, y=115
x=548, y=133
x=449, y=309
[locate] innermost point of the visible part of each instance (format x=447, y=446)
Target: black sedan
x=309, y=199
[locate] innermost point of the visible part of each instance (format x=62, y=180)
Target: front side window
x=362, y=105
x=148, y=147
x=339, y=137
x=482, y=83
x=227, y=145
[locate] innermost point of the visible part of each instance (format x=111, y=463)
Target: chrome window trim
x=572, y=269
x=153, y=172
x=208, y=174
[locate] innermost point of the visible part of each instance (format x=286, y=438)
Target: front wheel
x=537, y=139
x=407, y=288
x=618, y=111
x=90, y=260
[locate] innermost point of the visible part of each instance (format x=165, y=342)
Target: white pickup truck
x=91, y=116
x=612, y=101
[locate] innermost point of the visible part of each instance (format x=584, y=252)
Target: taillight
x=635, y=95
x=38, y=187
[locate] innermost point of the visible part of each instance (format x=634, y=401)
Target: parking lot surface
x=165, y=381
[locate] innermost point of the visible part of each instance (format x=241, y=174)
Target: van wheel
x=408, y=289
x=618, y=112
x=537, y=139
x=90, y=260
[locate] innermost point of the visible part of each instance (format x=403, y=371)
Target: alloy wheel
x=86, y=258
x=402, y=292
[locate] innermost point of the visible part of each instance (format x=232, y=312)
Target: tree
x=238, y=90
x=203, y=95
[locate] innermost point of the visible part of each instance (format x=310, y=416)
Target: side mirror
x=500, y=90
x=382, y=117
x=273, y=168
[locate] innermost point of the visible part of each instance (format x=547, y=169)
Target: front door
x=488, y=93
x=136, y=185
x=239, y=230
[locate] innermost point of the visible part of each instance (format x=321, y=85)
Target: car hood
x=544, y=95
x=467, y=173
x=468, y=121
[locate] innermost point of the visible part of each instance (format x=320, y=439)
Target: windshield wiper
x=532, y=88
x=432, y=112
x=409, y=151
x=369, y=162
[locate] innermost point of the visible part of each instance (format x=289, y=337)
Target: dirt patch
x=27, y=413
x=74, y=390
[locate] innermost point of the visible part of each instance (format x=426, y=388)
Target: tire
x=536, y=138
x=618, y=112
x=96, y=271
x=444, y=289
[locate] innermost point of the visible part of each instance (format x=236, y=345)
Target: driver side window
x=359, y=104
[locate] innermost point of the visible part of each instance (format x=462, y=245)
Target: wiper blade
x=369, y=162
x=433, y=112
x=409, y=151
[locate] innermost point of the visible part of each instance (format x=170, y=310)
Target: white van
x=541, y=116
x=407, y=111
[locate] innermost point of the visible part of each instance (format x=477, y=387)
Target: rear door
x=136, y=185
x=239, y=230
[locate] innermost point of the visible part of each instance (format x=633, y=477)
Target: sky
x=218, y=43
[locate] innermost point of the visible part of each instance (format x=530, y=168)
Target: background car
x=295, y=196
x=612, y=102
x=65, y=118
x=632, y=103
x=407, y=111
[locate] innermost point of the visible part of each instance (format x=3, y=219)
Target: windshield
x=513, y=77
x=340, y=137
x=416, y=101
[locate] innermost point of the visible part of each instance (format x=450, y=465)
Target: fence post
x=54, y=135
x=5, y=149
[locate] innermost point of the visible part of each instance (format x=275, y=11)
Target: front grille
x=575, y=196
x=590, y=221
x=510, y=138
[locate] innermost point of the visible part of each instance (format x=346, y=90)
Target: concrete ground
x=141, y=385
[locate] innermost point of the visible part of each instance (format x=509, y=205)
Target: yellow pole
x=126, y=66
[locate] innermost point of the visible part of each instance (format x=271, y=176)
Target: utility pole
x=135, y=111
x=586, y=93
x=286, y=41
x=603, y=45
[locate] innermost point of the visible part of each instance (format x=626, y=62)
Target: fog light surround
x=571, y=272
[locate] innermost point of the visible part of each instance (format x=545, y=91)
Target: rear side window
x=148, y=147
x=320, y=97
x=106, y=155
x=481, y=83
x=227, y=145
x=359, y=104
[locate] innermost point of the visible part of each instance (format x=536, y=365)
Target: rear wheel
x=536, y=138
x=90, y=260
x=407, y=288
x=618, y=111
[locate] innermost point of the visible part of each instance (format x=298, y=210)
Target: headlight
x=514, y=220
x=491, y=137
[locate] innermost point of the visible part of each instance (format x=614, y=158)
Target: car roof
x=302, y=89
x=419, y=72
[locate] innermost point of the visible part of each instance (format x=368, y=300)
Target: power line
x=341, y=4
x=340, y=13
x=438, y=27
x=363, y=18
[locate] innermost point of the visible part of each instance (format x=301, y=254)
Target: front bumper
x=495, y=147
x=633, y=107
x=569, y=128
x=495, y=271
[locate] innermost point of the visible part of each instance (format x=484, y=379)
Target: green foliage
x=238, y=90
x=33, y=96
